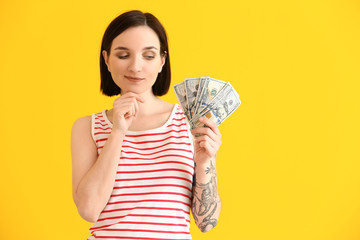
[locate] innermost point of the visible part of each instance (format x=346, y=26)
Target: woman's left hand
x=208, y=143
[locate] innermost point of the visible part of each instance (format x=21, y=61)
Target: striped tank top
x=151, y=197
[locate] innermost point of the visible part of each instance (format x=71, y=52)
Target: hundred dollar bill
x=201, y=88
x=211, y=87
x=180, y=93
x=222, y=108
x=225, y=90
x=191, y=88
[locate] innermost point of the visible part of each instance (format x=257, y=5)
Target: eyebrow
x=145, y=48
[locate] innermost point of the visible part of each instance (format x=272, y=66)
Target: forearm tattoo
x=205, y=200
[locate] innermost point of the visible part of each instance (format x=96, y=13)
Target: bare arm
x=206, y=204
x=93, y=175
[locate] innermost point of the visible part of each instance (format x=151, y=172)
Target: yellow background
x=289, y=165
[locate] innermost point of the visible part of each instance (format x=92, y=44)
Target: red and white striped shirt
x=152, y=191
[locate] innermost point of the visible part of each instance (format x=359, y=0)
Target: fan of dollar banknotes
x=208, y=97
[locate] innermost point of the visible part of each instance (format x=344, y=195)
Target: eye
x=123, y=56
x=149, y=55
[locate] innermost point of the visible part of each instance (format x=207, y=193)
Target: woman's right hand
x=125, y=108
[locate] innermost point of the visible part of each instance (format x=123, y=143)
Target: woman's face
x=135, y=61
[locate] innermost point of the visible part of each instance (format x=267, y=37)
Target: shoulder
x=81, y=133
x=168, y=106
x=164, y=107
x=82, y=126
x=82, y=122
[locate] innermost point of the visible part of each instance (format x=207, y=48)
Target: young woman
x=137, y=169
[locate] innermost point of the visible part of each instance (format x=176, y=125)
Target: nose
x=135, y=64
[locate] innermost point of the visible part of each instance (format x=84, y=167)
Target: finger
x=215, y=144
x=136, y=106
x=205, y=131
x=205, y=139
x=140, y=99
x=134, y=95
x=211, y=124
x=133, y=108
x=208, y=148
x=126, y=107
x=128, y=110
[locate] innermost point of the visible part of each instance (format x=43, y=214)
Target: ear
x=162, y=61
x=106, y=59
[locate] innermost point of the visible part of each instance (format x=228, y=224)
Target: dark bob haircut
x=117, y=26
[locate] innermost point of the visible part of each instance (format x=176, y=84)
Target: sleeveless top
x=151, y=197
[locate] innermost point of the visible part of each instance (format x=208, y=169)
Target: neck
x=150, y=103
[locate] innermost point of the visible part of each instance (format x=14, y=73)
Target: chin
x=136, y=91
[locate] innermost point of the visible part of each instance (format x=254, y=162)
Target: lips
x=131, y=78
